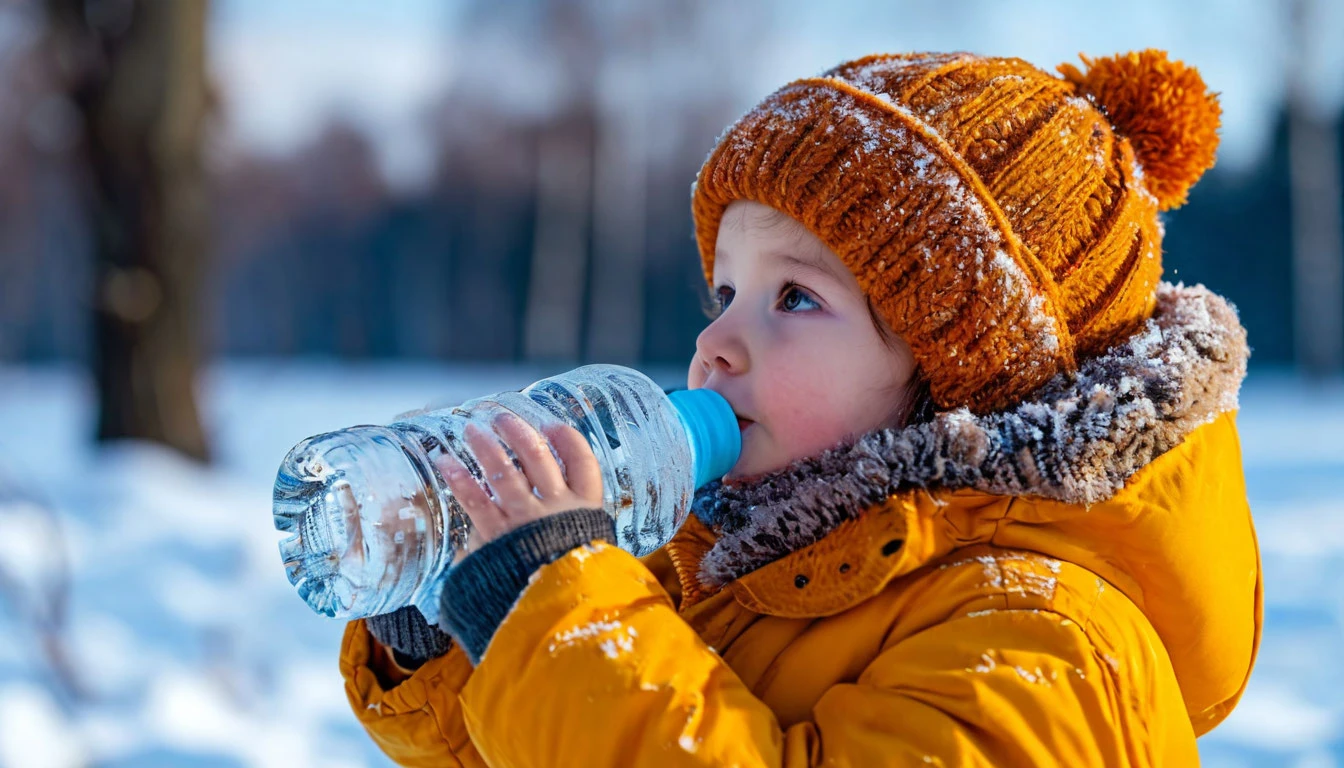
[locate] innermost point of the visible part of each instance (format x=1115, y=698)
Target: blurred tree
x=136, y=74
x=1235, y=237
x=530, y=72
x=1318, y=232
x=19, y=263
x=608, y=119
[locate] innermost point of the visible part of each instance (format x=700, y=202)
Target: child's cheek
x=809, y=424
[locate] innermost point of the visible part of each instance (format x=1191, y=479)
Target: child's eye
x=723, y=296
x=794, y=296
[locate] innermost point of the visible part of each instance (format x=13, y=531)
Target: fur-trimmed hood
x=1078, y=439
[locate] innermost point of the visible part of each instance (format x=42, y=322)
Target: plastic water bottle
x=374, y=526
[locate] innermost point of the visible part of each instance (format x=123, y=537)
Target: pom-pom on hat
x=1004, y=221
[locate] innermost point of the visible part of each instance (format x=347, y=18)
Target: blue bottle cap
x=711, y=425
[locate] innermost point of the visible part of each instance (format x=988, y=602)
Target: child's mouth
x=744, y=423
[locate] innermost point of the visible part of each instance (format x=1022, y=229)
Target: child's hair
x=916, y=406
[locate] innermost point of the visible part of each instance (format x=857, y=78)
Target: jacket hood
x=1077, y=439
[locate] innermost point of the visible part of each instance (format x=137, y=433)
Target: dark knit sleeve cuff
x=481, y=590
x=413, y=640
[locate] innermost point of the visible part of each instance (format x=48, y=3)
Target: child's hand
x=578, y=486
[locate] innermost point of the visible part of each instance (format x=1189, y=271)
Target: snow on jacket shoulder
x=1072, y=582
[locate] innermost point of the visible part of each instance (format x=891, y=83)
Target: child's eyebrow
x=789, y=257
x=815, y=264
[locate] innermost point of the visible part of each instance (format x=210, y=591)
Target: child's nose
x=721, y=346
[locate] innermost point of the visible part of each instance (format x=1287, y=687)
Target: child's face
x=794, y=351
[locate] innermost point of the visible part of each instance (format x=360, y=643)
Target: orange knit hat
x=1002, y=220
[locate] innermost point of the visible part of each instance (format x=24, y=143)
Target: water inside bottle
x=374, y=527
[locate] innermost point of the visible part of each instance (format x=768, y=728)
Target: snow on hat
x=1003, y=221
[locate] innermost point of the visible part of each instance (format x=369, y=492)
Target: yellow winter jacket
x=1075, y=582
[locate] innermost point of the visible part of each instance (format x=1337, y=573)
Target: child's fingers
x=531, y=449
x=508, y=482
x=582, y=472
x=485, y=516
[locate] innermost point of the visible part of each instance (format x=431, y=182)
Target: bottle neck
x=711, y=427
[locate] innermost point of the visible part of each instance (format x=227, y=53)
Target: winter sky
x=285, y=68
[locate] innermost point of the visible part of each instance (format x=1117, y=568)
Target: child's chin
x=731, y=480
x=738, y=474
x=745, y=471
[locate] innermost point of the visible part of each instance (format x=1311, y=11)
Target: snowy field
x=145, y=619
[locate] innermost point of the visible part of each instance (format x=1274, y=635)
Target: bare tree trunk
x=136, y=73
x=566, y=162
x=1318, y=233
x=560, y=251
x=616, y=307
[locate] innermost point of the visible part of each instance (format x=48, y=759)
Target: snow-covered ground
x=182, y=644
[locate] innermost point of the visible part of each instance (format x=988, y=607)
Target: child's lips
x=743, y=423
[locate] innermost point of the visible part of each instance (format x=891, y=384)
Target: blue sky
x=285, y=67
x=398, y=14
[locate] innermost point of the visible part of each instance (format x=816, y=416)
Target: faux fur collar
x=1078, y=439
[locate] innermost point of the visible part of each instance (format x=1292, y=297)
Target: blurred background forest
x=229, y=224
x=510, y=181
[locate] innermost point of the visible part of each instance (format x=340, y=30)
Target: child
x=989, y=509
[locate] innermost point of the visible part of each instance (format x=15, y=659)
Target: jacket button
x=800, y=581
x=891, y=547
